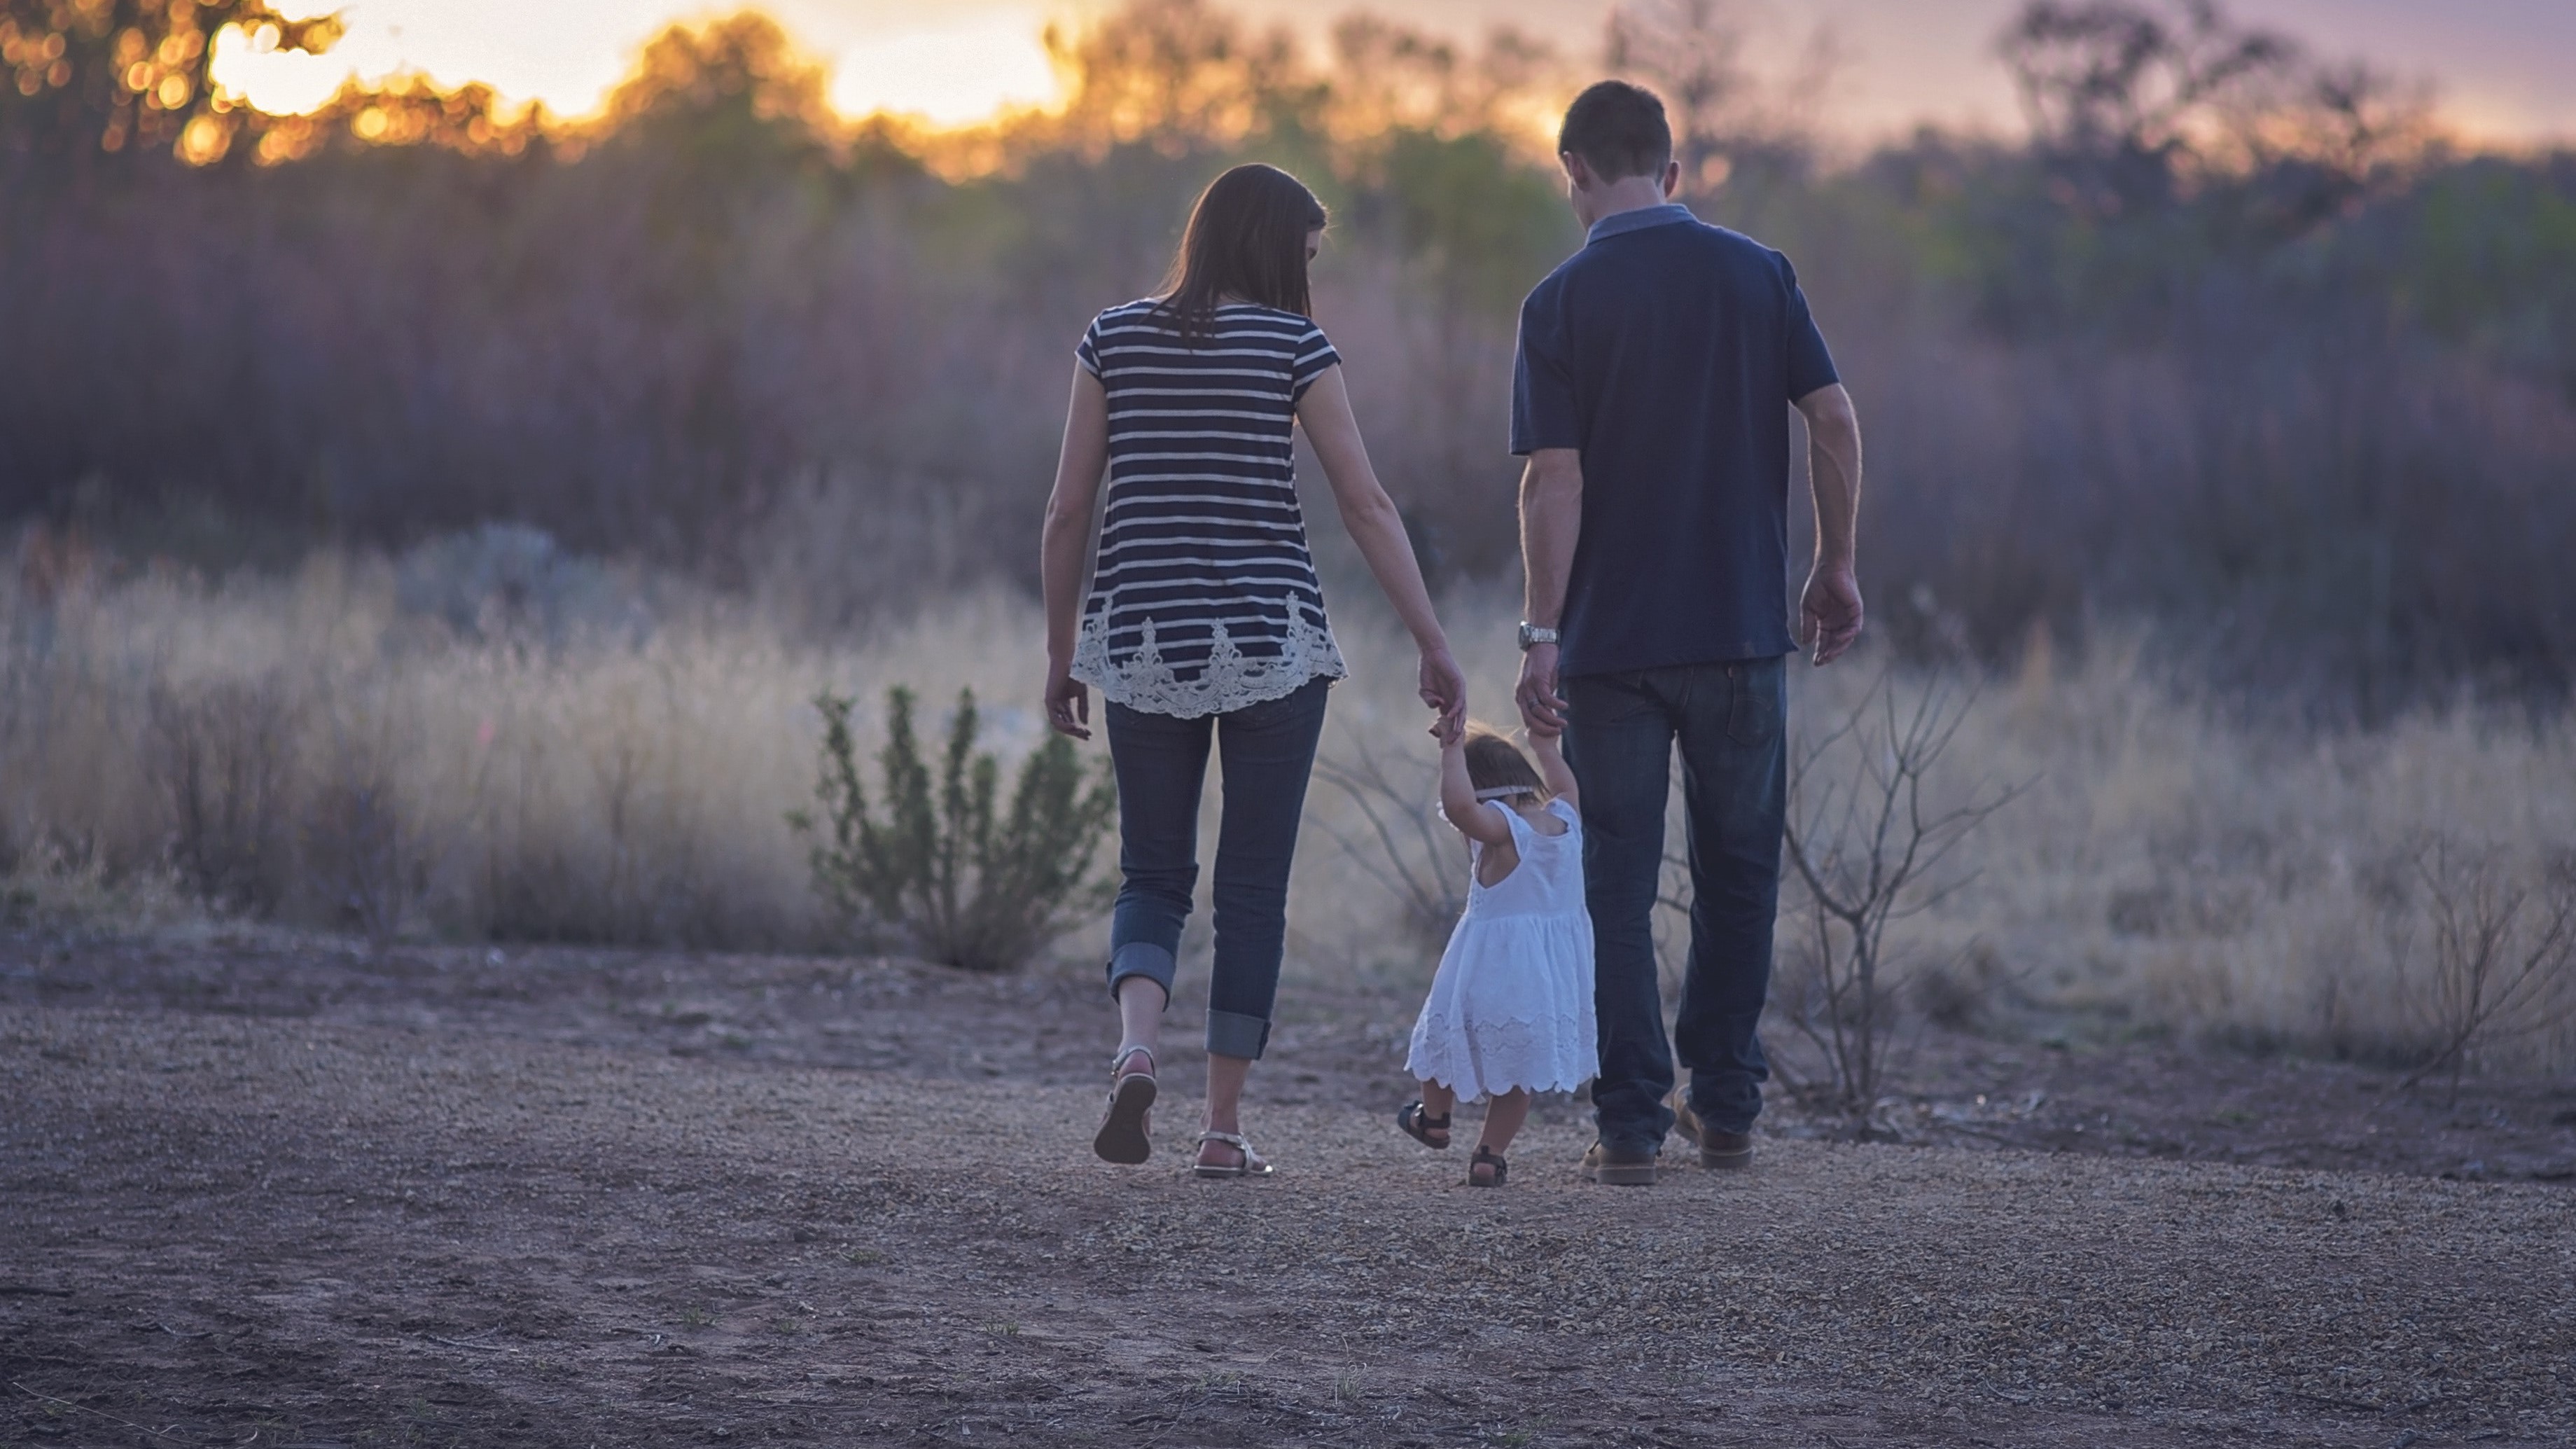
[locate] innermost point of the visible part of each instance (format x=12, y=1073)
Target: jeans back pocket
x=1755, y=705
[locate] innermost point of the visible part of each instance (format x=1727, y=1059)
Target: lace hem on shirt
x=1228, y=681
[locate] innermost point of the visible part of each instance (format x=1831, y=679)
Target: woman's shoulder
x=1256, y=317
x=1126, y=314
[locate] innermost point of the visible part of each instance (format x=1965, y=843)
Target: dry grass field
x=582, y=756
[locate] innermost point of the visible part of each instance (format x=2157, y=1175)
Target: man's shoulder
x=1552, y=286
x=1734, y=246
x=1720, y=245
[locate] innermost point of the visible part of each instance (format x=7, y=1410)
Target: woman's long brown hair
x=1246, y=239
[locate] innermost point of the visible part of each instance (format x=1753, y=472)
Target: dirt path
x=353, y=1233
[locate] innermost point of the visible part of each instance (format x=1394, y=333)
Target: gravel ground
x=372, y=1232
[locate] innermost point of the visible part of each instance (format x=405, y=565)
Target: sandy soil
x=327, y=1196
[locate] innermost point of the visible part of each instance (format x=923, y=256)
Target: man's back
x=1667, y=352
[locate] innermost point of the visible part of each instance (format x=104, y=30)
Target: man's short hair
x=1618, y=129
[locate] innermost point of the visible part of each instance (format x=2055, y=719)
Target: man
x=1657, y=368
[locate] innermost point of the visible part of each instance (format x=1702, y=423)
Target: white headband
x=1500, y=791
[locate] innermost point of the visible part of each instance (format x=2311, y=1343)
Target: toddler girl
x=1510, y=1010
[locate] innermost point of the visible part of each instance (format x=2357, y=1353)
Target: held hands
x=1068, y=703
x=1444, y=688
x=1542, y=708
x=1829, y=612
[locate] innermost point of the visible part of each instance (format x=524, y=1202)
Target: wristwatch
x=1533, y=634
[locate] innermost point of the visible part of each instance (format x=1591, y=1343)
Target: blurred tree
x=407, y=110
x=1389, y=77
x=2137, y=103
x=723, y=104
x=1179, y=76
x=1727, y=117
x=81, y=80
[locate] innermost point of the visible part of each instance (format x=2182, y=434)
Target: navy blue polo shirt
x=1668, y=351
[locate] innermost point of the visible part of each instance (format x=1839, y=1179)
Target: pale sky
x=2500, y=67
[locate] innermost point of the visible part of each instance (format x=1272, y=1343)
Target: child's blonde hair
x=1495, y=763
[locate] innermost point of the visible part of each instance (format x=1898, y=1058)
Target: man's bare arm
x=1829, y=612
x=1551, y=522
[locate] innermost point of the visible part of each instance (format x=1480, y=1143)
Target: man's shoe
x=1619, y=1166
x=1727, y=1150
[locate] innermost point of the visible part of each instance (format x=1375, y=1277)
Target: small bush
x=1868, y=846
x=967, y=887
x=222, y=759
x=363, y=850
x=2503, y=957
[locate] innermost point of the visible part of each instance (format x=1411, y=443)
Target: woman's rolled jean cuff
x=1233, y=1034
x=1142, y=958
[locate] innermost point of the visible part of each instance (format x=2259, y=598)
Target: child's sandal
x=1487, y=1157
x=1419, y=1124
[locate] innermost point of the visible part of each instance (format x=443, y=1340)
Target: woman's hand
x=1444, y=688
x=1068, y=703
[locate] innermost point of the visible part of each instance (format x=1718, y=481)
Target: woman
x=1204, y=618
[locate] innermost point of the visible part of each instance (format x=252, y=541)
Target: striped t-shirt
x=1204, y=598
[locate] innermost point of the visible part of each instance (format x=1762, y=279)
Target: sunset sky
x=2500, y=66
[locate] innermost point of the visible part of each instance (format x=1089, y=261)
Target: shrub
x=1867, y=845
x=363, y=849
x=2502, y=962
x=967, y=887
x=221, y=756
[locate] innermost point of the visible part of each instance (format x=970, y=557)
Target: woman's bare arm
x=1076, y=496
x=1375, y=526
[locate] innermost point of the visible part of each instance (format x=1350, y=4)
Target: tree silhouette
x=83, y=81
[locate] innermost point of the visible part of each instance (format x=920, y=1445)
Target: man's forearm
x=1833, y=473
x=1551, y=521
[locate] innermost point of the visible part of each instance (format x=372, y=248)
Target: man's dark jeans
x=1268, y=751
x=1730, y=720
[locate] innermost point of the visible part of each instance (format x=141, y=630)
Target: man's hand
x=1542, y=710
x=1444, y=688
x=1068, y=703
x=1829, y=613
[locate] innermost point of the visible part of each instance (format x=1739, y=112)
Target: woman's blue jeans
x=1267, y=750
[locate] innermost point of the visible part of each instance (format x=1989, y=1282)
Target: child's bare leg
x=1503, y=1118
x=1438, y=1100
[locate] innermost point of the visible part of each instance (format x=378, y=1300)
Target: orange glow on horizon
x=950, y=64
x=944, y=66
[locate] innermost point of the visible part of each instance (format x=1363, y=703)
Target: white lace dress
x=1511, y=1005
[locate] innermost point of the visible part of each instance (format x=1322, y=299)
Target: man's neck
x=1629, y=193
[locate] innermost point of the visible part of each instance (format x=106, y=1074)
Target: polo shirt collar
x=1619, y=222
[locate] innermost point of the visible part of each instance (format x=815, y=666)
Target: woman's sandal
x=1419, y=1124
x=1487, y=1157
x=1253, y=1164
x=1122, y=1136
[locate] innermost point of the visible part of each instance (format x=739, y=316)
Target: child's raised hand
x=1451, y=730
